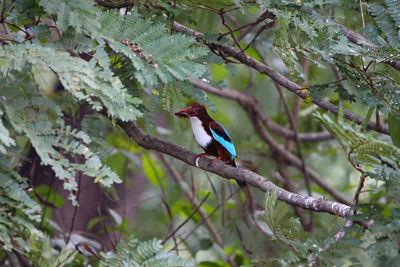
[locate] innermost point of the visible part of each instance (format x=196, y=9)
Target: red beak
x=184, y=113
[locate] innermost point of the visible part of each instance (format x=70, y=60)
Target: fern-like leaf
x=83, y=79
x=385, y=23
x=381, y=160
x=131, y=252
x=14, y=200
x=57, y=144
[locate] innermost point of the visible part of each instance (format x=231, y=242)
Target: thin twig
x=71, y=227
x=362, y=14
x=307, y=226
x=189, y=194
x=171, y=218
x=3, y=10
x=296, y=138
x=221, y=14
x=211, y=214
x=359, y=188
x=187, y=219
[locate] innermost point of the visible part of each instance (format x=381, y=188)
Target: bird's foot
x=197, y=157
x=216, y=160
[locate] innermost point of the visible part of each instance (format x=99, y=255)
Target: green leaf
x=132, y=252
x=153, y=171
x=117, y=218
x=367, y=118
x=92, y=223
x=117, y=164
x=210, y=264
x=394, y=128
x=218, y=72
x=122, y=142
x=380, y=160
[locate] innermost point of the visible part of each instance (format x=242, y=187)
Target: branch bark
x=115, y=4
x=229, y=172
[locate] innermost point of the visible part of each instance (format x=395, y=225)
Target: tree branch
x=277, y=77
x=229, y=172
x=295, y=161
x=251, y=102
x=255, y=113
x=115, y=5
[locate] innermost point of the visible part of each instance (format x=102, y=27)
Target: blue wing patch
x=221, y=136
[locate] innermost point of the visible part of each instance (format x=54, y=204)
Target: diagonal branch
x=115, y=4
x=250, y=101
x=229, y=172
x=255, y=114
x=277, y=77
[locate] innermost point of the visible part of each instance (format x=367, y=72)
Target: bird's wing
x=221, y=136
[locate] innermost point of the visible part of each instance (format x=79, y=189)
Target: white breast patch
x=201, y=136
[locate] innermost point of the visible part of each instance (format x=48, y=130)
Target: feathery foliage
x=18, y=211
x=58, y=144
x=289, y=234
x=131, y=252
x=288, y=231
x=41, y=253
x=83, y=79
x=69, y=69
x=378, y=159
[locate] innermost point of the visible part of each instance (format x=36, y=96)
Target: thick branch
x=115, y=4
x=229, y=172
x=277, y=77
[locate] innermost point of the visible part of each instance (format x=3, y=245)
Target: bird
x=210, y=135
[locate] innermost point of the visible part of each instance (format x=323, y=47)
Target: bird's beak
x=184, y=113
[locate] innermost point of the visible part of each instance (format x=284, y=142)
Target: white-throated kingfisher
x=210, y=135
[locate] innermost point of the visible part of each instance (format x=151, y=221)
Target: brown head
x=194, y=110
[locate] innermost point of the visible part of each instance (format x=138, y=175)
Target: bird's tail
x=241, y=184
x=247, y=191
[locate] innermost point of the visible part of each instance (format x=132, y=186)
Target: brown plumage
x=213, y=147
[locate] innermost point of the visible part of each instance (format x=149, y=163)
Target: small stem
x=359, y=188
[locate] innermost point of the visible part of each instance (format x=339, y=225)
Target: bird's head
x=194, y=110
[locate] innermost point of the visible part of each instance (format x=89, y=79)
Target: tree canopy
x=95, y=169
